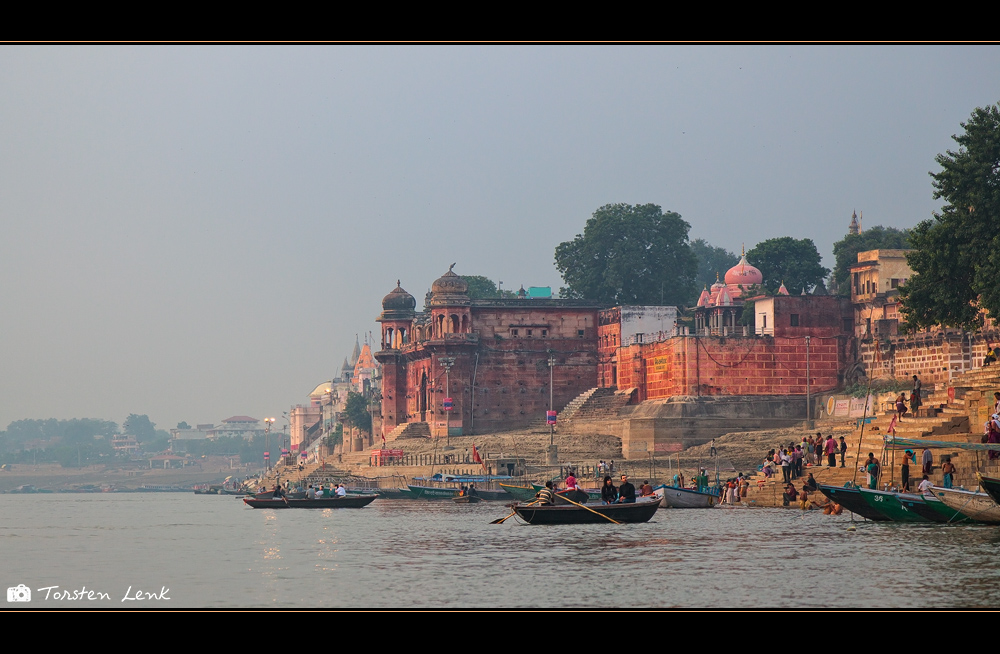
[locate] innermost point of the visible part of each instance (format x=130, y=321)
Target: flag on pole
x=475, y=457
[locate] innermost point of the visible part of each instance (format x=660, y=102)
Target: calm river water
x=191, y=551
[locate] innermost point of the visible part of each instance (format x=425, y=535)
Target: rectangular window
x=579, y=333
x=795, y=319
x=513, y=332
x=529, y=332
x=545, y=332
x=894, y=283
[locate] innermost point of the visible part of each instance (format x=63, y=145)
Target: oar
x=583, y=506
x=499, y=521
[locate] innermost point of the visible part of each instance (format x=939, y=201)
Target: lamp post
x=809, y=421
x=552, y=457
x=447, y=363
x=267, y=443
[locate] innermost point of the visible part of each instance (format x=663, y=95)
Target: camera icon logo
x=19, y=593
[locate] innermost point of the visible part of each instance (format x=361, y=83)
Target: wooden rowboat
x=852, y=500
x=684, y=498
x=979, y=507
x=349, y=502
x=568, y=514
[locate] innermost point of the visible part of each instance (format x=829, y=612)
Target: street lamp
x=552, y=424
x=809, y=420
x=551, y=416
x=447, y=363
x=267, y=442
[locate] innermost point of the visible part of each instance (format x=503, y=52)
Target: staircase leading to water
x=939, y=419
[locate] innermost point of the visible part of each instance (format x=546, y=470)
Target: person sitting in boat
x=645, y=490
x=609, y=494
x=341, y=491
x=278, y=492
x=471, y=492
x=626, y=492
x=546, y=495
x=311, y=493
x=570, y=482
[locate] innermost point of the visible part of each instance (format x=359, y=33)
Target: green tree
x=356, y=410
x=713, y=263
x=483, y=288
x=183, y=425
x=845, y=252
x=629, y=255
x=794, y=262
x=957, y=257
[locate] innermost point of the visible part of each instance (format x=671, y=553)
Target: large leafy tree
x=845, y=251
x=794, y=262
x=629, y=255
x=957, y=257
x=713, y=263
x=481, y=287
x=356, y=410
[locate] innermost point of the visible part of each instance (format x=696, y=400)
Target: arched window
x=454, y=324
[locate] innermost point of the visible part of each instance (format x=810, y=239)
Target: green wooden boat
x=520, y=493
x=891, y=506
x=950, y=514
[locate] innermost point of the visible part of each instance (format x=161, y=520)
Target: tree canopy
x=845, y=251
x=712, y=262
x=956, y=264
x=356, y=410
x=629, y=255
x=481, y=287
x=794, y=262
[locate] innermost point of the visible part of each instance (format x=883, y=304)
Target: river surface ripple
x=214, y=552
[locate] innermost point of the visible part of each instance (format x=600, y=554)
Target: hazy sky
x=197, y=232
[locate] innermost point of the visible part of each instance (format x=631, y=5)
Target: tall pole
x=552, y=427
x=809, y=422
x=447, y=363
x=267, y=442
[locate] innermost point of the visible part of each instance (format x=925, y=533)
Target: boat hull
x=559, y=514
x=520, y=493
x=349, y=502
x=684, y=498
x=892, y=506
x=991, y=486
x=852, y=500
x=979, y=507
x=446, y=493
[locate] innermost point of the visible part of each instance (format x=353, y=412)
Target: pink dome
x=744, y=274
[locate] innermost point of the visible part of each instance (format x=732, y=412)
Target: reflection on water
x=215, y=552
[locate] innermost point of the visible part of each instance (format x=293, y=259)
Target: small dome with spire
x=399, y=300
x=449, y=289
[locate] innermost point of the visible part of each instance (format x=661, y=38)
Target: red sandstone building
x=491, y=357
x=789, y=335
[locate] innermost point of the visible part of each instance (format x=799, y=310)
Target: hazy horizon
x=196, y=232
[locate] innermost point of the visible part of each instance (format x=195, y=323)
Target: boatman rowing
x=546, y=495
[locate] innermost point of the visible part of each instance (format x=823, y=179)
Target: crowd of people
x=811, y=451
